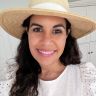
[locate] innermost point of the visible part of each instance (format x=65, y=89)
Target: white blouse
x=75, y=80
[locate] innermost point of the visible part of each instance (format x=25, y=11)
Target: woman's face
x=47, y=38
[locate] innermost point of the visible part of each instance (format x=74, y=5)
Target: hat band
x=50, y=6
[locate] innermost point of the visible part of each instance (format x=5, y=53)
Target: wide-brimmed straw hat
x=12, y=19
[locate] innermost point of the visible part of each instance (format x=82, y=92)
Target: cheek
x=62, y=43
x=32, y=46
x=32, y=38
x=32, y=41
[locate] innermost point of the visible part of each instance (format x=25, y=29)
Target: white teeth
x=46, y=52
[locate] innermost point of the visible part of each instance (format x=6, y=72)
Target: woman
x=48, y=56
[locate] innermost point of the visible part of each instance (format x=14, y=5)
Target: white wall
x=87, y=44
x=4, y=4
x=8, y=48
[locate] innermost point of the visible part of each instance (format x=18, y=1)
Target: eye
x=37, y=29
x=57, y=31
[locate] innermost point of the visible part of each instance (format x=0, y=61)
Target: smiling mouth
x=45, y=52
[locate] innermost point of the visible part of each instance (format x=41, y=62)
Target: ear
x=69, y=31
x=27, y=29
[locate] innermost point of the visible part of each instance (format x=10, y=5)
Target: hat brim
x=11, y=21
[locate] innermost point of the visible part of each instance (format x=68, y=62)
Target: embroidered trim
x=88, y=77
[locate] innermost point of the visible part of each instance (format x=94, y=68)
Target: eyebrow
x=58, y=25
x=35, y=24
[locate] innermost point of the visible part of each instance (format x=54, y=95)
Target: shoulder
x=87, y=65
x=5, y=87
x=88, y=71
x=88, y=78
x=7, y=80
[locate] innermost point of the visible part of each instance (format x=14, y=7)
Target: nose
x=46, y=39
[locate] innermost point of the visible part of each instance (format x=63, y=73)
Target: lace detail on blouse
x=8, y=72
x=9, y=77
x=88, y=77
x=5, y=87
x=11, y=72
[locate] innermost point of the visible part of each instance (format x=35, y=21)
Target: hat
x=0, y=17
x=12, y=19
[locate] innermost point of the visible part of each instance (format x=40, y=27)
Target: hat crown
x=63, y=3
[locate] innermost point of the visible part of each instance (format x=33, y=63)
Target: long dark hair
x=26, y=82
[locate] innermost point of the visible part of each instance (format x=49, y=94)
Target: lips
x=46, y=52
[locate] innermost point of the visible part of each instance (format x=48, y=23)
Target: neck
x=51, y=72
